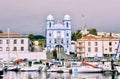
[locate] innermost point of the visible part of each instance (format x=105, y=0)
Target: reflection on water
x=51, y=75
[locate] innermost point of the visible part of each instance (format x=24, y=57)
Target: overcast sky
x=29, y=16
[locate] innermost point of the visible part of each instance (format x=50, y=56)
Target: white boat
x=58, y=67
x=118, y=68
x=10, y=66
x=86, y=68
x=32, y=66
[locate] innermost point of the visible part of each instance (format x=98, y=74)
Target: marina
x=54, y=75
x=62, y=70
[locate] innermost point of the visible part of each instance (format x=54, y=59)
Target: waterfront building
x=58, y=35
x=14, y=43
x=91, y=46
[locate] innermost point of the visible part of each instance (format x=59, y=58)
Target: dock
x=109, y=71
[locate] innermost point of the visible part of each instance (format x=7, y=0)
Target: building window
x=55, y=41
x=115, y=42
x=96, y=49
x=0, y=41
x=15, y=49
x=110, y=49
x=49, y=34
x=89, y=49
x=15, y=41
x=80, y=49
x=22, y=48
x=96, y=43
x=80, y=43
x=7, y=41
x=0, y=48
x=89, y=43
x=7, y=49
x=50, y=41
x=110, y=43
x=67, y=34
x=67, y=41
x=22, y=41
x=67, y=24
x=67, y=46
x=61, y=40
x=50, y=24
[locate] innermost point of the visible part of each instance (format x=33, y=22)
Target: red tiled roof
x=90, y=37
x=11, y=34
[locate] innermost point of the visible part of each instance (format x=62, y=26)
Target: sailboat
x=117, y=65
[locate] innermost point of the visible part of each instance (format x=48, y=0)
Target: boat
x=11, y=66
x=31, y=66
x=86, y=68
x=1, y=70
x=114, y=61
x=57, y=66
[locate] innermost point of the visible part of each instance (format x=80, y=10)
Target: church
x=58, y=34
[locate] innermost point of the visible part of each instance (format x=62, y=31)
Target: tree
x=31, y=37
x=1, y=31
x=76, y=35
x=93, y=31
x=79, y=35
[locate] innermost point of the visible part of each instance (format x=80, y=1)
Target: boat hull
x=86, y=69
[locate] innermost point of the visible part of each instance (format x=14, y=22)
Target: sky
x=29, y=16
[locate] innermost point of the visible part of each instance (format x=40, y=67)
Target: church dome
x=67, y=17
x=50, y=17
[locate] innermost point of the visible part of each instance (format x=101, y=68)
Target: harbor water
x=54, y=75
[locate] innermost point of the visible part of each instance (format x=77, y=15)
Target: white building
x=13, y=43
x=107, y=34
x=17, y=46
x=91, y=46
x=58, y=35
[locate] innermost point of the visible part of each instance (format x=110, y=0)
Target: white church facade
x=58, y=35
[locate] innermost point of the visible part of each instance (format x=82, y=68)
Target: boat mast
x=8, y=41
x=115, y=56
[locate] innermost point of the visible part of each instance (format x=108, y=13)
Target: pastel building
x=14, y=43
x=58, y=35
x=91, y=46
